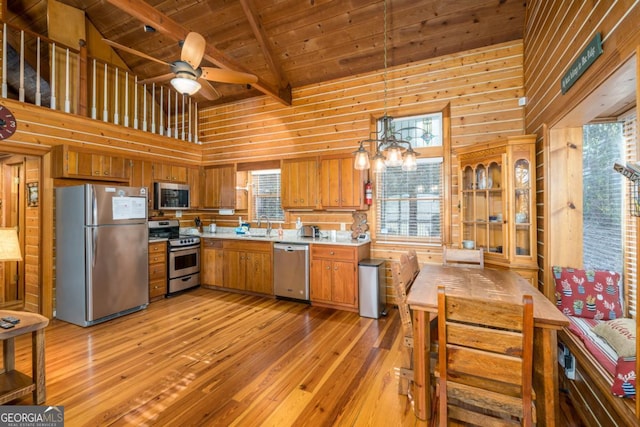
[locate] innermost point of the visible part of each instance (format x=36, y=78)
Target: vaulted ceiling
x=289, y=43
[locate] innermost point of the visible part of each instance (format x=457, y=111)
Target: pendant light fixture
x=391, y=149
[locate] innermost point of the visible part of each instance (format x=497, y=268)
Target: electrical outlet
x=178, y=214
x=522, y=101
x=343, y=226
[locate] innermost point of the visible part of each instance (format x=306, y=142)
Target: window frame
x=444, y=152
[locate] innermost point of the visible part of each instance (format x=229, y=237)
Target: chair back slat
x=485, y=356
x=463, y=257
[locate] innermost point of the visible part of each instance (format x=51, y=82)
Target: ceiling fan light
x=185, y=86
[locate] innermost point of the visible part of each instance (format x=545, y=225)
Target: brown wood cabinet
x=248, y=266
x=334, y=275
x=169, y=173
x=299, y=183
x=497, y=202
x=212, y=263
x=157, y=270
x=195, y=179
x=141, y=175
x=341, y=185
x=219, y=187
x=72, y=162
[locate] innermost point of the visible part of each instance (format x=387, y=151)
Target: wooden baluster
x=4, y=60
x=126, y=99
x=53, y=76
x=38, y=89
x=105, y=114
x=116, y=118
x=21, y=88
x=94, y=83
x=135, y=102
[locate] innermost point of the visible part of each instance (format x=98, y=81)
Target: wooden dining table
x=486, y=284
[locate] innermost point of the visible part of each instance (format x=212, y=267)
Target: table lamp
x=9, y=245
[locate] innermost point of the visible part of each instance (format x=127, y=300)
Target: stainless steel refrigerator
x=101, y=252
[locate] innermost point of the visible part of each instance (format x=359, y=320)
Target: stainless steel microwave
x=168, y=195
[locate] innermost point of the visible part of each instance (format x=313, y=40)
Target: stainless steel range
x=183, y=258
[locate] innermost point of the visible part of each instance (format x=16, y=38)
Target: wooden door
x=212, y=267
x=12, y=294
x=196, y=187
x=343, y=285
x=351, y=184
x=115, y=166
x=330, y=183
x=321, y=274
x=227, y=187
x=211, y=188
x=234, y=269
x=258, y=272
x=178, y=173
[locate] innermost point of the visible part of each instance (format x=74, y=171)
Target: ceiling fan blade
x=227, y=76
x=193, y=49
x=157, y=79
x=133, y=51
x=208, y=91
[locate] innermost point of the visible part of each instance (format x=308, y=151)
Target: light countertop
x=289, y=236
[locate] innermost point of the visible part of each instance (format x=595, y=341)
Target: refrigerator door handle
x=93, y=246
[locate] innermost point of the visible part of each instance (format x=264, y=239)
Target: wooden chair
x=463, y=257
x=402, y=275
x=485, y=361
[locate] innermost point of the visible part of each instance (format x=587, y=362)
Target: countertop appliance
x=310, y=231
x=169, y=195
x=291, y=271
x=101, y=252
x=184, y=255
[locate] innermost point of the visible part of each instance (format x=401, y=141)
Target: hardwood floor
x=211, y=358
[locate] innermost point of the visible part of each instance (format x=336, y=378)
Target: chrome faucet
x=268, y=224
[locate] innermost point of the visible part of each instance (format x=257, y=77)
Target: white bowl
x=468, y=244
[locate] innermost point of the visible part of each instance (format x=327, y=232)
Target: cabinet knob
x=301, y=200
x=106, y=173
x=335, y=268
x=328, y=268
x=332, y=253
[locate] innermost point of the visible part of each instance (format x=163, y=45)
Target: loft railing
x=40, y=71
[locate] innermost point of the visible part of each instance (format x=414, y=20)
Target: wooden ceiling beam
x=147, y=14
x=263, y=41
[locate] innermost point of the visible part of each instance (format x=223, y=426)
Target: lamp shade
x=185, y=86
x=9, y=245
x=361, y=161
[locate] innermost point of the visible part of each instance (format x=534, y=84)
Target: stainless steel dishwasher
x=291, y=271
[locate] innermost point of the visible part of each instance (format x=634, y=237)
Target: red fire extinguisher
x=368, y=193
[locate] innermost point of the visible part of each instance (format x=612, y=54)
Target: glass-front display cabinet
x=497, y=209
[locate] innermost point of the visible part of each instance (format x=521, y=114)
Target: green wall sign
x=582, y=62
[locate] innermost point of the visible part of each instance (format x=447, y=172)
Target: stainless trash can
x=372, y=288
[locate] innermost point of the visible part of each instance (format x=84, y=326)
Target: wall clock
x=8, y=123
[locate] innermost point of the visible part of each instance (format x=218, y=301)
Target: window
x=265, y=186
x=409, y=204
x=606, y=219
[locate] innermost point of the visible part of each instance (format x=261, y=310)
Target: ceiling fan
x=187, y=77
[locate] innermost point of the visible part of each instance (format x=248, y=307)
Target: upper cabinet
x=169, y=173
x=219, y=187
x=195, y=178
x=341, y=185
x=71, y=162
x=497, y=209
x=299, y=183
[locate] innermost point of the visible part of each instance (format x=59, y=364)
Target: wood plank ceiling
x=290, y=43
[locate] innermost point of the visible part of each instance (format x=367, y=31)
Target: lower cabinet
x=238, y=265
x=157, y=270
x=212, y=261
x=334, y=275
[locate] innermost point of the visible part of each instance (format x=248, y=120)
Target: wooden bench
x=590, y=391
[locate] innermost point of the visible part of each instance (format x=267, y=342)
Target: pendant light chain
x=384, y=46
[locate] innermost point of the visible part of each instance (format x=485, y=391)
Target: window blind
x=409, y=203
x=265, y=187
x=630, y=272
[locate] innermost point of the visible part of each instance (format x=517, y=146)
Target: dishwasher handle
x=290, y=247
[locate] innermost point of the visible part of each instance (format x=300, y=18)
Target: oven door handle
x=183, y=249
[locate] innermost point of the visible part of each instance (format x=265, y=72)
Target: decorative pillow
x=624, y=383
x=592, y=294
x=620, y=334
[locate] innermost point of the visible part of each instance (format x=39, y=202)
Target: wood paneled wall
x=480, y=88
x=556, y=32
